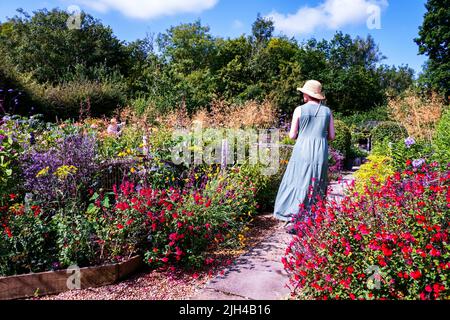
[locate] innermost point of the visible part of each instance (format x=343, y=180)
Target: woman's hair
x=309, y=98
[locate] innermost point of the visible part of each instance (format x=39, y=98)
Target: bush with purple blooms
x=60, y=173
x=335, y=164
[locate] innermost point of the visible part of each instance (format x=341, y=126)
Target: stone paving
x=259, y=274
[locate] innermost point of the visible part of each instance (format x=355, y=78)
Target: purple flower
x=410, y=142
x=418, y=163
x=77, y=150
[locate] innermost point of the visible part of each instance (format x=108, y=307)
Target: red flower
x=122, y=206
x=435, y=253
x=130, y=221
x=386, y=251
x=120, y=226
x=208, y=203
x=8, y=232
x=421, y=204
x=416, y=274
x=350, y=270
x=363, y=229
x=165, y=259
x=12, y=196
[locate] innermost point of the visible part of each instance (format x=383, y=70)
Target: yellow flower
x=64, y=171
x=121, y=154
x=43, y=172
x=133, y=170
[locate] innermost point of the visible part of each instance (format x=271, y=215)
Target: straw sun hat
x=313, y=89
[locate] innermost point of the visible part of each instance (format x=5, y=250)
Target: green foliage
x=433, y=41
x=44, y=46
x=389, y=131
x=377, y=169
x=73, y=237
x=441, y=141
x=24, y=241
x=360, y=120
x=69, y=100
x=400, y=152
x=13, y=134
x=343, y=141
x=189, y=67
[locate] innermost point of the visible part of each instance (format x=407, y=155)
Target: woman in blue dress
x=306, y=175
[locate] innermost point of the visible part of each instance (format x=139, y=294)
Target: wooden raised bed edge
x=54, y=282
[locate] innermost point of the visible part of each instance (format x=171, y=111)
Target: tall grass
x=419, y=115
x=222, y=114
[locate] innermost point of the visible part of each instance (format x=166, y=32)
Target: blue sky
x=132, y=19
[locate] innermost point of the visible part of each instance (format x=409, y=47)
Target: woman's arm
x=293, y=134
x=331, y=130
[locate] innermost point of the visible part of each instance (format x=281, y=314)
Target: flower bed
x=58, y=209
x=389, y=242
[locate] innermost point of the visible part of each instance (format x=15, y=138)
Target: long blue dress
x=308, y=165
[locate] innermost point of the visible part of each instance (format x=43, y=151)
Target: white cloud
x=238, y=24
x=329, y=15
x=149, y=9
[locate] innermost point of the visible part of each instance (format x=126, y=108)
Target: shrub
x=12, y=134
x=392, y=243
x=60, y=173
x=343, y=141
x=360, y=119
x=441, y=141
x=335, y=164
x=388, y=131
x=25, y=240
x=405, y=152
x=73, y=237
x=72, y=99
x=375, y=171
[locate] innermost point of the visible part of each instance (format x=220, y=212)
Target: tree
x=187, y=47
x=262, y=30
x=434, y=41
x=44, y=46
x=348, y=69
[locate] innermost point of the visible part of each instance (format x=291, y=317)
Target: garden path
x=259, y=274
